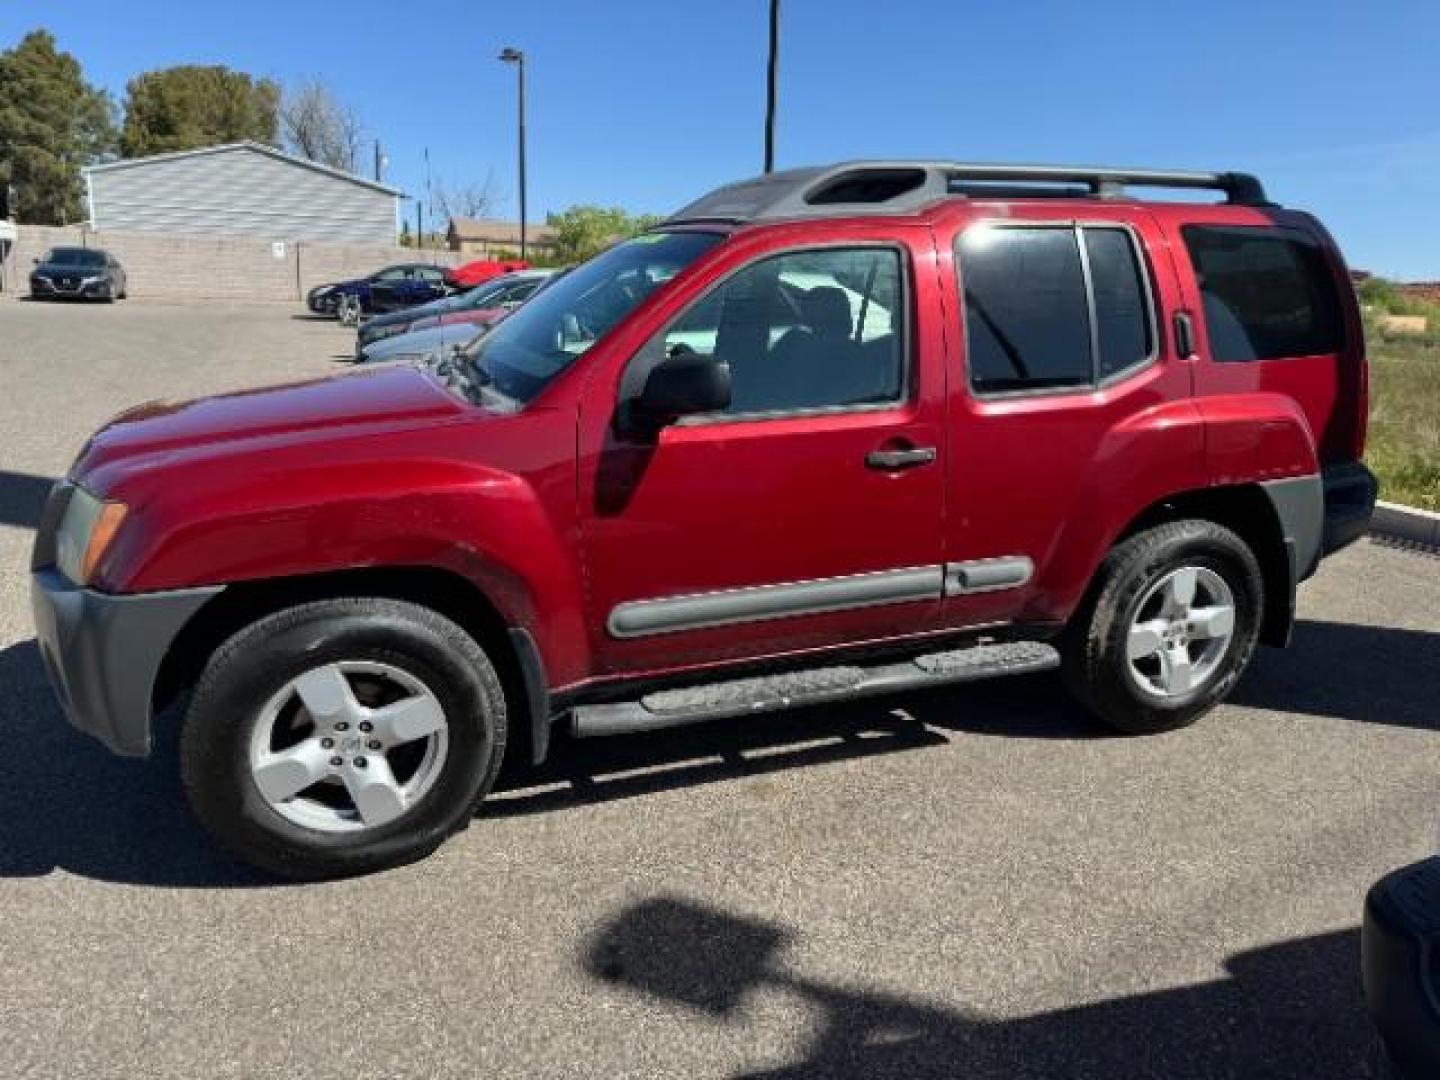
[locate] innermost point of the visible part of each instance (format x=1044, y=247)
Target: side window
x=395, y=273
x=1122, y=315
x=819, y=329
x=1025, y=308
x=1029, y=293
x=1267, y=293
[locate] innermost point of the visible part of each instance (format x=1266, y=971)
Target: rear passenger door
x=1061, y=368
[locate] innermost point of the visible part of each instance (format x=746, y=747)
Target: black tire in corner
x=1096, y=665
x=257, y=662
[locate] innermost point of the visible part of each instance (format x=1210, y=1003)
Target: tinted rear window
x=1122, y=323
x=1268, y=293
x=1025, y=308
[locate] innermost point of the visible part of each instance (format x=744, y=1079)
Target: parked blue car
x=389, y=289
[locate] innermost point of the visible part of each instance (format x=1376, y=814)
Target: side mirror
x=683, y=384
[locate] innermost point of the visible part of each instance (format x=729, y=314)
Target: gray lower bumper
x=102, y=653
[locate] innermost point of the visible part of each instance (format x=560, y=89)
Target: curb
x=1405, y=523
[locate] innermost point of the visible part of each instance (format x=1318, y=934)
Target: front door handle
x=900, y=459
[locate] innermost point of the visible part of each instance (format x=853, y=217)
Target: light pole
x=516, y=57
x=771, y=71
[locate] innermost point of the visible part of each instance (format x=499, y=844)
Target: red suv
x=830, y=432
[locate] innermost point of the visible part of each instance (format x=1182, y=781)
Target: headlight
x=86, y=532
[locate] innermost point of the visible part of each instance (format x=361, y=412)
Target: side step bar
x=813, y=686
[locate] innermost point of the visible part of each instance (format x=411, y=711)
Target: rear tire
x=1169, y=628
x=318, y=675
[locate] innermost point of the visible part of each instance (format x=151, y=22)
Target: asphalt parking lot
x=967, y=884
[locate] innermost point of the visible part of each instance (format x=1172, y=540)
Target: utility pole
x=379, y=162
x=516, y=57
x=772, y=71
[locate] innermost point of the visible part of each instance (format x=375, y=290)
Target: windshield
x=74, y=257
x=544, y=336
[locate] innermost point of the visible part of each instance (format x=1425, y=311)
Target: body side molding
x=726, y=607
x=699, y=611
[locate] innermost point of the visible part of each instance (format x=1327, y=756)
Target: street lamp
x=516, y=57
x=772, y=69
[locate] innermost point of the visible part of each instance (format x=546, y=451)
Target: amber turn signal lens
x=101, y=536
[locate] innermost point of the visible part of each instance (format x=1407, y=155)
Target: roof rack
x=902, y=186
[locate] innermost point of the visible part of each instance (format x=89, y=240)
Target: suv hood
x=159, y=432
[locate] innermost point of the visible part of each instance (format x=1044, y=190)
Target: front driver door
x=809, y=513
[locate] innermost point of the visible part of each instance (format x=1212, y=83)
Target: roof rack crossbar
x=903, y=186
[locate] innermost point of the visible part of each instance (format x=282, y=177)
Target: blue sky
x=646, y=103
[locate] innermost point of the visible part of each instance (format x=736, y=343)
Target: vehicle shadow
x=67, y=803
x=1288, y=1010
x=1366, y=674
x=583, y=771
x=22, y=498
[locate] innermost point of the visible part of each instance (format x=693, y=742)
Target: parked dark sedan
x=389, y=289
x=77, y=273
x=502, y=292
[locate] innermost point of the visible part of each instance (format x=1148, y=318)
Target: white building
x=244, y=188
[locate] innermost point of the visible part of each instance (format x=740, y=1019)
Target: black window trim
x=907, y=359
x=1077, y=227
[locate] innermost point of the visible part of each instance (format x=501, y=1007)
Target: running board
x=814, y=686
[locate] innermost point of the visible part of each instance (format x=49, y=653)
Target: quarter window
x=1029, y=293
x=806, y=330
x=1267, y=293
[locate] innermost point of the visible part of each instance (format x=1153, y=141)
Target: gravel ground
x=969, y=884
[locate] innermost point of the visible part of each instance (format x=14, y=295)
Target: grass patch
x=1404, y=443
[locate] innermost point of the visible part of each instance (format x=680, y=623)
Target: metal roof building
x=246, y=188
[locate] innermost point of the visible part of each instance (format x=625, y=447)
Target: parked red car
x=826, y=433
x=468, y=275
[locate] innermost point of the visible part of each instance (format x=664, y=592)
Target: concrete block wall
x=193, y=266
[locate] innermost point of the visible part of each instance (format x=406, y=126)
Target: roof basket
x=903, y=186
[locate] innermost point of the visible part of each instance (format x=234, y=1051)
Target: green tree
x=52, y=122
x=583, y=231
x=181, y=108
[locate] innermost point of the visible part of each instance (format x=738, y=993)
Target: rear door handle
x=900, y=459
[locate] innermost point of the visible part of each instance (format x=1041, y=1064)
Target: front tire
x=342, y=737
x=1169, y=628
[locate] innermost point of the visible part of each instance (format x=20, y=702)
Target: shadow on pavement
x=67, y=803
x=1287, y=1010
x=1368, y=674
x=582, y=771
x=22, y=498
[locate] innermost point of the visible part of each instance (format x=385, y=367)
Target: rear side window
x=1122, y=316
x=1267, y=293
x=1029, y=294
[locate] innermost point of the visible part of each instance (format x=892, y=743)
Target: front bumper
x=1400, y=965
x=1350, y=493
x=77, y=287
x=102, y=653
